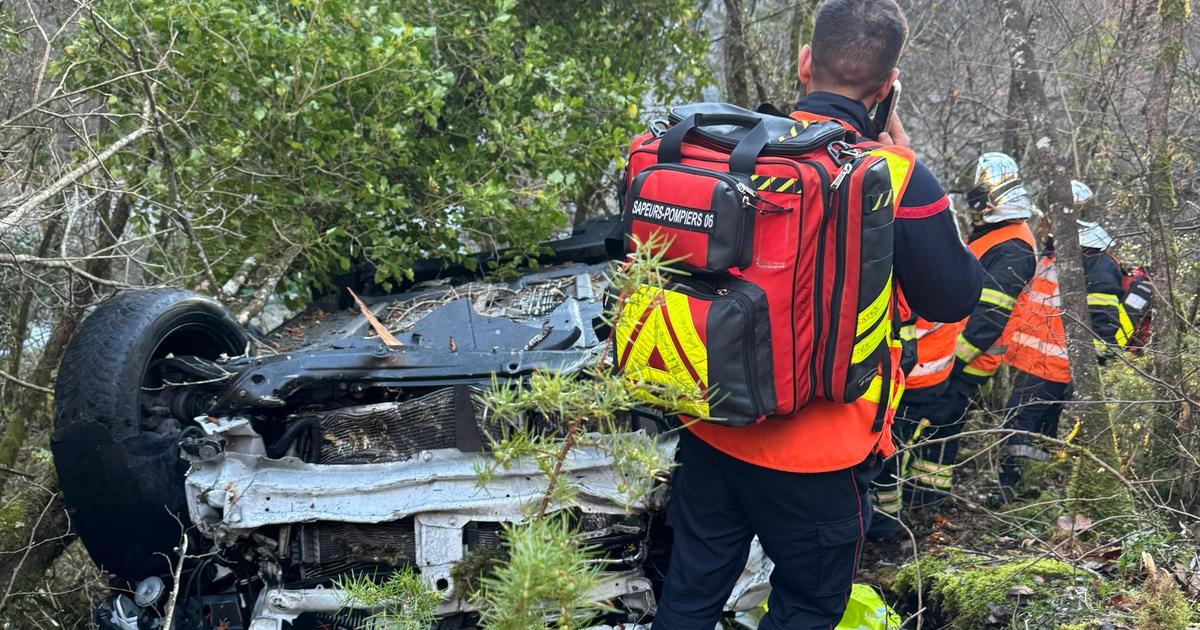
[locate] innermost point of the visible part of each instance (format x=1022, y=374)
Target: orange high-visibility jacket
x=937, y=343
x=1036, y=339
x=983, y=363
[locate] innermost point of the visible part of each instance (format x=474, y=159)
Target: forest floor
x=974, y=560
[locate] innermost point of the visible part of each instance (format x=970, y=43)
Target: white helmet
x=1092, y=236
x=999, y=194
x=1081, y=193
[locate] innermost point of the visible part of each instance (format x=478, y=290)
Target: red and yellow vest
x=823, y=436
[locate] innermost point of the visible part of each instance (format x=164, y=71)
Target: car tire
x=123, y=481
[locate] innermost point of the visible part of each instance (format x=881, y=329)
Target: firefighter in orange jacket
x=954, y=360
x=1037, y=342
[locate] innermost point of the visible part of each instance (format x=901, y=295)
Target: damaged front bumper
x=231, y=495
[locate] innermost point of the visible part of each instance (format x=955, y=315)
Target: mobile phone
x=884, y=112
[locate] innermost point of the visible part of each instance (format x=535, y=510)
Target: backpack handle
x=744, y=155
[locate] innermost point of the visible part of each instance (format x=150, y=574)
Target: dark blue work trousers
x=810, y=525
x=1035, y=406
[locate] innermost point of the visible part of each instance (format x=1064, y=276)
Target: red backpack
x=1138, y=288
x=784, y=226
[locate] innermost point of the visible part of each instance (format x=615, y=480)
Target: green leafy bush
x=390, y=131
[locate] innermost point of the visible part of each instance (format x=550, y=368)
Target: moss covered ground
x=981, y=560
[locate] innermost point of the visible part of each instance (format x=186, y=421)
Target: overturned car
x=276, y=467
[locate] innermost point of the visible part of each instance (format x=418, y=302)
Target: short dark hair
x=856, y=43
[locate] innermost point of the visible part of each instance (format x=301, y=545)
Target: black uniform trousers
x=1034, y=406
x=948, y=417
x=904, y=428
x=810, y=525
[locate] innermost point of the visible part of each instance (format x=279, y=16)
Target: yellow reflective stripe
x=884, y=199
x=685, y=332
x=964, y=350
x=1102, y=299
x=932, y=473
x=1124, y=326
x=974, y=371
x=875, y=311
x=925, y=465
x=909, y=332
x=876, y=386
x=864, y=348
x=997, y=298
x=655, y=335
x=890, y=503
x=899, y=167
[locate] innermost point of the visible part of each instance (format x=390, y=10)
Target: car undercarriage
x=293, y=461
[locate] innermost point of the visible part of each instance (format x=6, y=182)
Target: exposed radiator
x=395, y=431
x=328, y=549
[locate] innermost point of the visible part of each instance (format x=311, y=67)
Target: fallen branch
x=58, y=263
x=13, y=471
x=22, y=212
x=12, y=379
x=235, y=284
x=384, y=335
x=264, y=291
x=171, y=603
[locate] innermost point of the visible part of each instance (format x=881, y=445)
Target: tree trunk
x=21, y=324
x=30, y=407
x=1160, y=217
x=737, y=90
x=49, y=533
x=801, y=33
x=1050, y=163
x=1012, y=142
x=27, y=552
x=1161, y=211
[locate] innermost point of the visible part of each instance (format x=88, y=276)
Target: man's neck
x=809, y=89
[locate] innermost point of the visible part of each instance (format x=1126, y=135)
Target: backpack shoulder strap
x=900, y=161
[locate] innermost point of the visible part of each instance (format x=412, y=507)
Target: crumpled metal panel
x=246, y=491
x=277, y=606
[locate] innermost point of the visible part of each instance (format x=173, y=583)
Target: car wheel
x=117, y=458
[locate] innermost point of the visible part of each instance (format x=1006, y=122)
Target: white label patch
x=1136, y=302
x=690, y=219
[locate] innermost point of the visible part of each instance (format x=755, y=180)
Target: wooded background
x=255, y=150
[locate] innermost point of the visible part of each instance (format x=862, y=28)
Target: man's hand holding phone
x=895, y=135
x=885, y=118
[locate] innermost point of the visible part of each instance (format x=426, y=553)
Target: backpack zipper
x=841, y=195
x=747, y=306
x=818, y=283
x=749, y=195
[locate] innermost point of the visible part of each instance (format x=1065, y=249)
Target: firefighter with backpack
x=953, y=360
x=797, y=235
x=1037, y=342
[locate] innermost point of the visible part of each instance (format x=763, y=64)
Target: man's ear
x=885, y=88
x=804, y=66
